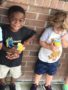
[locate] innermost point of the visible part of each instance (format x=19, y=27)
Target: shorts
x=44, y=67
x=15, y=72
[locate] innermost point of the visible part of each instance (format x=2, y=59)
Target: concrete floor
x=26, y=86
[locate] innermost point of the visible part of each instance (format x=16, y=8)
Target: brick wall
x=36, y=14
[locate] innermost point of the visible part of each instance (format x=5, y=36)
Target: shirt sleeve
x=28, y=33
x=45, y=34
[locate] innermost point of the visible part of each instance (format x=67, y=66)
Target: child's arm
x=12, y=54
x=64, y=40
x=27, y=42
x=50, y=46
x=44, y=44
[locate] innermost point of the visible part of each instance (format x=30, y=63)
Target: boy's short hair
x=14, y=9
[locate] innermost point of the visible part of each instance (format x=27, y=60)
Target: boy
x=14, y=34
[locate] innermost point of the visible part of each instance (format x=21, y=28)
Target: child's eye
x=21, y=20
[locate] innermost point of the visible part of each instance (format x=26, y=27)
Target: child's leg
x=15, y=74
x=52, y=68
x=3, y=73
x=2, y=84
x=48, y=79
x=13, y=80
x=36, y=82
x=37, y=79
x=12, y=84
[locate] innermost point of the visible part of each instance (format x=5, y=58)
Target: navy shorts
x=48, y=68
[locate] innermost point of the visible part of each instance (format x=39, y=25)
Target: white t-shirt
x=44, y=53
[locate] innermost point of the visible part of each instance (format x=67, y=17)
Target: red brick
x=65, y=6
x=29, y=59
x=0, y=19
x=22, y=5
x=23, y=63
x=30, y=63
x=3, y=11
x=25, y=78
x=24, y=1
x=39, y=2
x=28, y=73
x=4, y=20
x=39, y=31
x=32, y=47
x=31, y=27
x=46, y=3
x=20, y=1
x=38, y=9
x=35, y=23
x=10, y=0
x=60, y=5
x=26, y=53
x=42, y=17
x=31, y=2
x=54, y=4
x=33, y=53
x=29, y=68
x=30, y=15
x=65, y=50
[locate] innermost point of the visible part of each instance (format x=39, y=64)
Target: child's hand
x=53, y=47
x=12, y=54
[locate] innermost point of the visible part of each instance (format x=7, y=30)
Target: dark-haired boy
x=14, y=34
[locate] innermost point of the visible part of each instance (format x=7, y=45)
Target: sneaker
x=33, y=87
x=47, y=87
x=12, y=86
x=2, y=86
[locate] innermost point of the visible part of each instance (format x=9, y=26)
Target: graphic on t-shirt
x=9, y=42
x=55, y=54
x=12, y=43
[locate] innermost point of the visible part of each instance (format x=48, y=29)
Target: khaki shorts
x=15, y=72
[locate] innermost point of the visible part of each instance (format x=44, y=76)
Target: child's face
x=58, y=30
x=16, y=21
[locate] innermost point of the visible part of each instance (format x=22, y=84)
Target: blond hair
x=57, y=18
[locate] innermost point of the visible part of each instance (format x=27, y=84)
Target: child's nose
x=17, y=21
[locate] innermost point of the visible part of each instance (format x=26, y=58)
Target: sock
x=65, y=87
